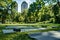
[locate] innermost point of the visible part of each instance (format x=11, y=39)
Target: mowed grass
x=29, y=24
x=14, y=36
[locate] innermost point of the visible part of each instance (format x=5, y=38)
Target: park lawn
x=29, y=24
x=14, y=36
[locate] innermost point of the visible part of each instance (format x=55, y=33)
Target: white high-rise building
x=24, y=6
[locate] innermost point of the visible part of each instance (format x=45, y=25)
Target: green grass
x=29, y=24
x=14, y=36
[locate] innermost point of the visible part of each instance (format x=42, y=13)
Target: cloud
x=28, y=1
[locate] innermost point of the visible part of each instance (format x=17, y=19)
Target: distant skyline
x=20, y=2
x=28, y=1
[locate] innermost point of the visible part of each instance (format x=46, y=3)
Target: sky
x=20, y=2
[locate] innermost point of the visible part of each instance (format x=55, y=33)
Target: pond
x=21, y=29
x=51, y=35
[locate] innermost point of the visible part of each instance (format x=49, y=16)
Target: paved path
x=51, y=35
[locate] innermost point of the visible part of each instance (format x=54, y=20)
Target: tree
x=56, y=9
x=13, y=10
x=34, y=10
x=4, y=9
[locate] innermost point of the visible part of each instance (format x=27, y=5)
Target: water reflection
x=51, y=35
x=46, y=35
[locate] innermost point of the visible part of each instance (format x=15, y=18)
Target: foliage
x=37, y=12
x=56, y=10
